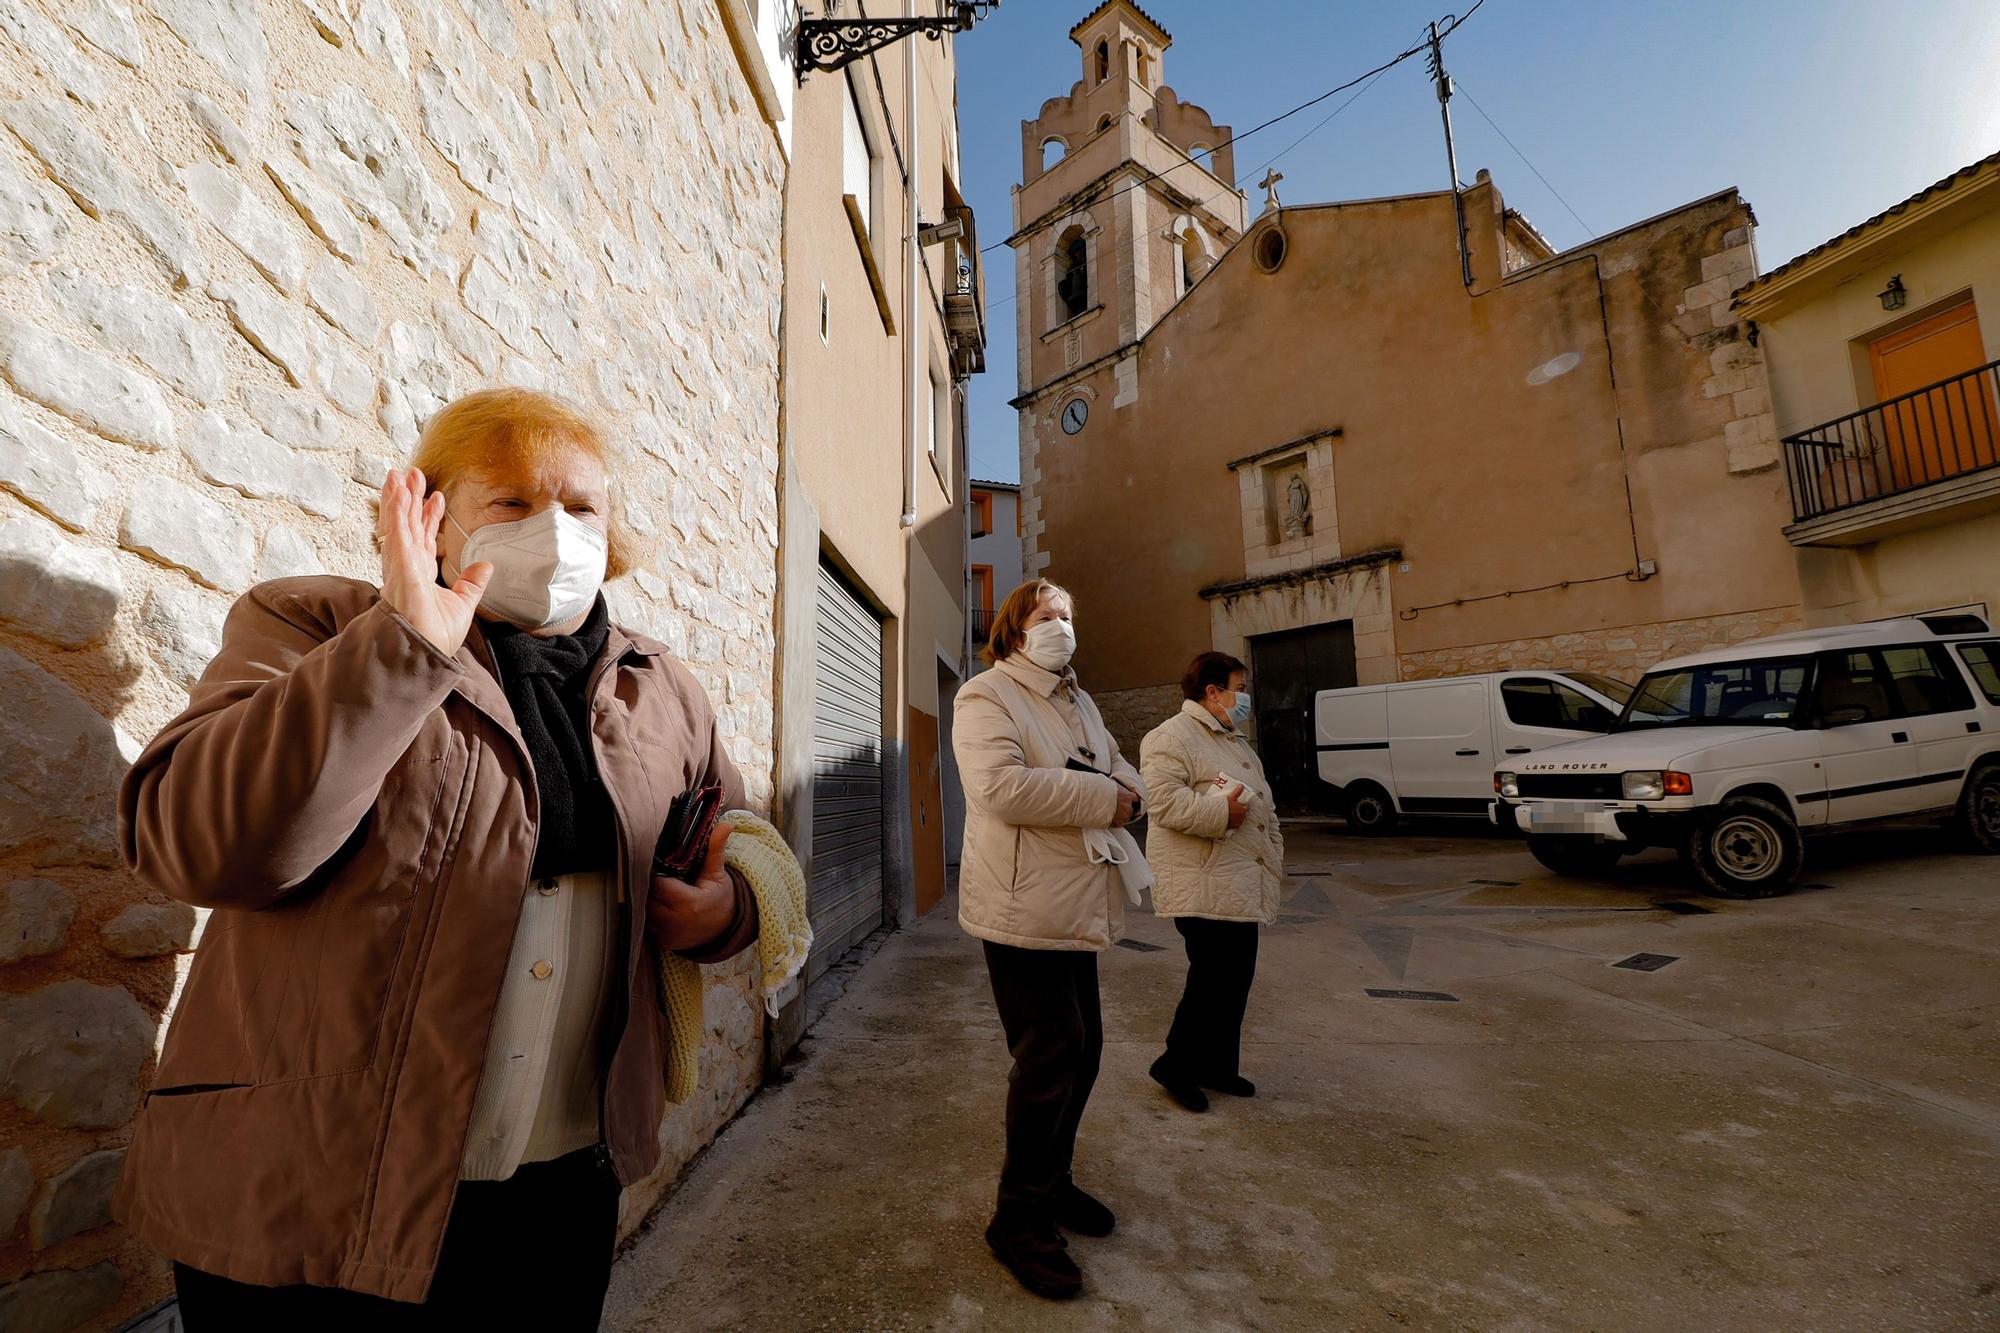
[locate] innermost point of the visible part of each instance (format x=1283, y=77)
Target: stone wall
x=246, y=247
x=1130, y=714
x=1623, y=653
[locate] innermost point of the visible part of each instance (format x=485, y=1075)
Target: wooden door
x=926, y=810
x=1286, y=670
x=1949, y=429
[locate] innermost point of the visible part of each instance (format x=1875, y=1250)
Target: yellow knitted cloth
x=757, y=851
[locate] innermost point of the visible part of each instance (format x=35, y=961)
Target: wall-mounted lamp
x=936, y=232
x=1895, y=294
x=834, y=43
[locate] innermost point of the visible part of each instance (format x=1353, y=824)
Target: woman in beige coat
x=1215, y=848
x=1047, y=798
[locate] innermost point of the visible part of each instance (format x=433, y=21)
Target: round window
x=1269, y=249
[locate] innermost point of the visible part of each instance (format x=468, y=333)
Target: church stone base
x=1130, y=714
x=1623, y=653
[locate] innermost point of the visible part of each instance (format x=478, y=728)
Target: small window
x=1983, y=660
x=1104, y=122
x=1924, y=681
x=982, y=513
x=1543, y=703
x=1103, y=60
x=1053, y=151
x=1072, y=274
x=1145, y=70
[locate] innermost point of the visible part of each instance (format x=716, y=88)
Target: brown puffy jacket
x=359, y=810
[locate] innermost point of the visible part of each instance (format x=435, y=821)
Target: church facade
x=1365, y=441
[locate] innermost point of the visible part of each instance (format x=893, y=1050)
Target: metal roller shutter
x=846, y=904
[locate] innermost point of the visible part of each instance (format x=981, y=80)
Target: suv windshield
x=1617, y=691
x=1760, y=693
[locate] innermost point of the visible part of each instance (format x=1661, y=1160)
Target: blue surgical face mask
x=1239, y=712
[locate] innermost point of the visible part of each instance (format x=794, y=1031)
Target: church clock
x=1074, y=414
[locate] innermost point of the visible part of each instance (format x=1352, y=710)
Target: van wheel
x=1370, y=810
x=1746, y=848
x=1580, y=858
x=1979, y=810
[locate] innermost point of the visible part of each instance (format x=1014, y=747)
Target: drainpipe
x=917, y=381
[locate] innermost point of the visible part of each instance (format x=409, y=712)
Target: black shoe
x=1037, y=1258
x=1187, y=1094
x=1078, y=1212
x=1235, y=1086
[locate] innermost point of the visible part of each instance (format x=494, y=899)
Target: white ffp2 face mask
x=547, y=567
x=1050, y=644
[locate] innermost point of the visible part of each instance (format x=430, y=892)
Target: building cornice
x=1292, y=577
x=1070, y=377
x=1330, y=433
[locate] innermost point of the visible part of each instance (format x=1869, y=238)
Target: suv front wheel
x=1746, y=848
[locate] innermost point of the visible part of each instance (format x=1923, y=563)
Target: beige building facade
x=245, y=250
x=1883, y=345
x=1331, y=454
x=883, y=323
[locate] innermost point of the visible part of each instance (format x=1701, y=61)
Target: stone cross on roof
x=1269, y=185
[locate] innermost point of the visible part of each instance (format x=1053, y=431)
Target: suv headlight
x=1648, y=786
x=1507, y=784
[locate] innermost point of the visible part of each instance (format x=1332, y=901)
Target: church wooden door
x=1286, y=670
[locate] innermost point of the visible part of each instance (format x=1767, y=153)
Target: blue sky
x=1822, y=113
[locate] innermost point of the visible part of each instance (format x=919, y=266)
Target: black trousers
x=531, y=1251
x=1206, y=1040
x=1048, y=1006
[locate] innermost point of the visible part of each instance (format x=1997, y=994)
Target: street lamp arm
x=832, y=44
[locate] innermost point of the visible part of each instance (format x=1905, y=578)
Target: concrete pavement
x=1795, y=1124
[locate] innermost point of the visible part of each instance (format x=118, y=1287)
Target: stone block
x=1737, y=263
x=59, y=1300
x=45, y=470
x=370, y=469
x=416, y=360
x=351, y=143
x=1753, y=400
x=17, y=1186
x=1725, y=383
x=293, y=419
x=183, y=631
x=150, y=329
x=1706, y=293
x=345, y=379
x=35, y=916
x=79, y=161
x=465, y=138
x=399, y=419
x=76, y=1200
x=173, y=525
x=109, y=26
x=238, y=455
x=52, y=741
x=541, y=85
x=225, y=33
x=31, y=223
x=222, y=131
x=117, y=403
x=322, y=209
x=467, y=335
x=494, y=25
x=52, y=49
x=268, y=324
x=54, y=590
x=336, y=293
x=1735, y=354
x=287, y=554
x=378, y=34
x=150, y=930
x=71, y=1053
x=491, y=297
x=249, y=224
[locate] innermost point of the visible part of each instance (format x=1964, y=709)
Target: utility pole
x=1444, y=90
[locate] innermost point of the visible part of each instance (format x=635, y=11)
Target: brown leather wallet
x=691, y=820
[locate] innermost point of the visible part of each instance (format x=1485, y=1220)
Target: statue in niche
x=1298, y=507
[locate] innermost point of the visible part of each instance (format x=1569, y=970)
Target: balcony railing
x=1949, y=429
x=982, y=624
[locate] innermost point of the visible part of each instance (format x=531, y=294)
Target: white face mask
x=547, y=567
x=1050, y=644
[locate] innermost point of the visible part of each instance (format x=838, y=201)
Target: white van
x=1731, y=755
x=1429, y=747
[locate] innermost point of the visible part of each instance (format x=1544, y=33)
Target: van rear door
x=1441, y=745
x=1351, y=735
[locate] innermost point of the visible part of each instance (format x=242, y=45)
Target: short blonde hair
x=518, y=432
x=1010, y=622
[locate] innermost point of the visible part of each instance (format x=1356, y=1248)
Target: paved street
x=1795, y=1124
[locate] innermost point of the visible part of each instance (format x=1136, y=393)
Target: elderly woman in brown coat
x=1215, y=847
x=1043, y=882
x=421, y=1047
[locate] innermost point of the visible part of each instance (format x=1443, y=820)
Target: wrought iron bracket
x=831, y=44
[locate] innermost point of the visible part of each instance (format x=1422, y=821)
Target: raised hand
x=680, y=915
x=409, y=529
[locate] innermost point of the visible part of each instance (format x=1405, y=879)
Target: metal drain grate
x=1685, y=909
x=1140, y=946
x=1500, y=883
x=1411, y=995
x=1646, y=962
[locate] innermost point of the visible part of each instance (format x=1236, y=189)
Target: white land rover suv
x=1730, y=755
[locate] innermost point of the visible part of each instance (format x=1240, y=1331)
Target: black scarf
x=546, y=680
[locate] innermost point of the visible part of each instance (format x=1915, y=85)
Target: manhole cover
x=1685, y=909
x=1140, y=946
x=1646, y=962
x=1411, y=995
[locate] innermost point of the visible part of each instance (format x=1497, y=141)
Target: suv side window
x=1544, y=703
x=1984, y=661
x=1924, y=681
x=1853, y=688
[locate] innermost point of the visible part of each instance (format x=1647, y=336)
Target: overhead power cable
x=1588, y=230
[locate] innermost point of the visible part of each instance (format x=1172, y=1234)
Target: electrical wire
x=1459, y=85
x=1454, y=23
